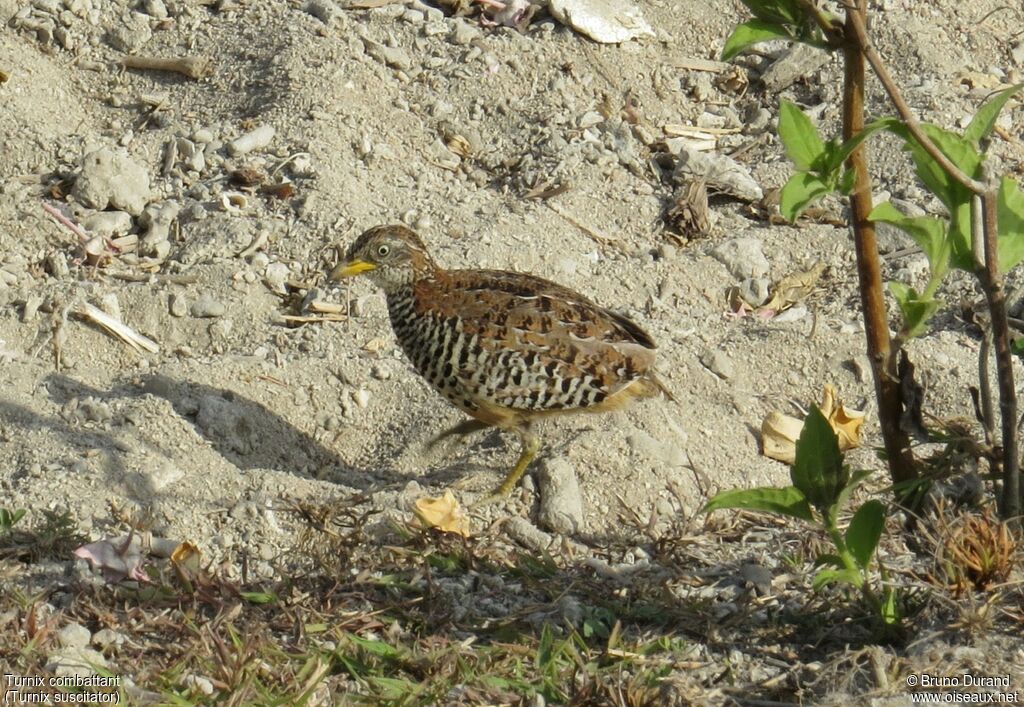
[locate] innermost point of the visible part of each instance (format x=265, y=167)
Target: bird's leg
x=462, y=429
x=531, y=445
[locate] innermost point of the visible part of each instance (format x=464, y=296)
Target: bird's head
x=393, y=257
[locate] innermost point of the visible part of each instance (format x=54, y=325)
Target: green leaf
x=856, y=480
x=800, y=137
x=259, y=597
x=802, y=190
x=828, y=558
x=847, y=182
x=787, y=501
x=375, y=647
x=545, y=648
x=778, y=11
x=916, y=310
x=844, y=576
x=9, y=518
x=959, y=151
x=818, y=469
x=890, y=610
x=985, y=119
x=839, y=156
x=750, y=33
x=928, y=232
x=394, y=688
x=864, y=531
x=1011, y=225
x=960, y=237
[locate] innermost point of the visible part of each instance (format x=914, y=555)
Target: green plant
x=983, y=234
x=821, y=489
x=9, y=518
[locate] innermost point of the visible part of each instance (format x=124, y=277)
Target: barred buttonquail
x=505, y=347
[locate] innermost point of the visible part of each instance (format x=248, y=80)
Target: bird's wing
x=538, y=345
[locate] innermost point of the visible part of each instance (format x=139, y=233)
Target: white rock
x=74, y=635
x=108, y=223
x=111, y=178
x=155, y=8
x=157, y=220
x=718, y=363
x=203, y=685
x=606, y=21
x=561, y=504
x=362, y=397
x=722, y=172
x=68, y=662
x=276, y=276
x=107, y=638
x=178, y=305
x=156, y=479
x=743, y=257
x=255, y=139
x=664, y=451
x=463, y=32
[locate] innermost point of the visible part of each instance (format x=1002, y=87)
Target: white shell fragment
x=606, y=21
x=234, y=202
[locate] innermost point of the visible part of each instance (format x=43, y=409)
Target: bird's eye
x=383, y=250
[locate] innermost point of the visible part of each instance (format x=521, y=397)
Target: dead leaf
x=977, y=79
x=793, y=288
x=846, y=422
x=185, y=558
x=443, y=513
x=780, y=432
x=688, y=214
x=117, y=558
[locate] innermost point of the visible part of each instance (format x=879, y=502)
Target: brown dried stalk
x=989, y=275
x=876, y=323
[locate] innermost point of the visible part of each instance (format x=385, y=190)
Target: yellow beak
x=350, y=269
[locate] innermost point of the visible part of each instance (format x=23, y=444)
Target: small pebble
x=463, y=32
x=108, y=223
x=276, y=275
x=206, y=307
x=57, y=264
x=71, y=662
x=199, y=683
x=255, y=139
x=526, y=534
x=106, y=639
x=757, y=576
x=32, y=305
x=561, y=504
x=361, y=397
x=155, y=9
x=718, y=363
x=743, y=257
x=754, y=291
x=74, y=635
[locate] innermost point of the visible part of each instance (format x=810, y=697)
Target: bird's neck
x=399, y=282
